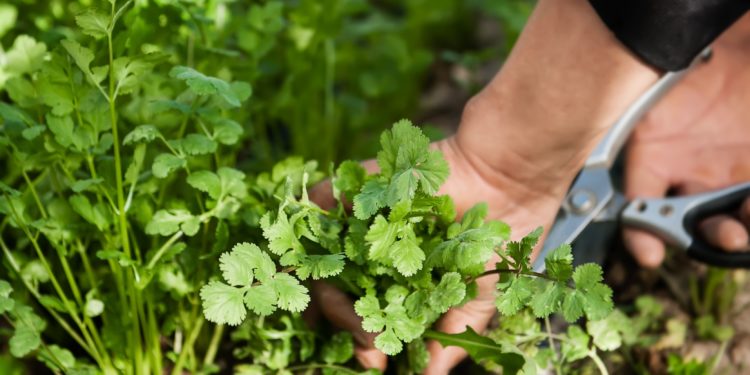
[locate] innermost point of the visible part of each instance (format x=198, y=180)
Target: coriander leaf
x=205, y=85
x=94, y=23
x=349, y=178
x=381, y=237
x=83, y=185
x=572, y=306
x=368, y=307
x=6, y=303
x=406, y=254
x=388, y=343
x=168, y=222
x=232, y=182
x=516, y=296
x=81, y=55
x=577, y=345
x=95, y=214
x=227, y=132
x=223, y=304
x=587, y=275
x=164, y=164
x=207, y=182
x=280, y=235
x=598, y=302
x=245, y=262
x=54, y=356
x=197, y=144
x=320, y=266
x=559, y=263
x=448, y=293
x=291, y=295
x=370, y=199
x=27, y=335
x=339, y=349
x=261, y=299
x=548, y=300
x=25, y=56
x=480, y=348
x=142, y=134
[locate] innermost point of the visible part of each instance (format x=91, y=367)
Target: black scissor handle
x=726, y=200
x=675, y=219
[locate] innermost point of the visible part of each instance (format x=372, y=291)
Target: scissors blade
x=589, y=195
x=611, y=212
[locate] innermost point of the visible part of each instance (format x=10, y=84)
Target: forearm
x=565, y=82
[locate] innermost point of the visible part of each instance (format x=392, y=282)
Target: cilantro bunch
x=401, y=253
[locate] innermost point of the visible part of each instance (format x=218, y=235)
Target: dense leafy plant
x=127, y=135
x=401, y=253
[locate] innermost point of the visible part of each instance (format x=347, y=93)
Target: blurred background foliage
x=327, y=75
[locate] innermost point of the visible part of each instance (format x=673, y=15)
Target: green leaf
x=244, y=263
x=587, y=275
x=598, y=302
x=576, y=346
x=227, y=132
x=368, y=307
x=448, y=293
x=388, y=343
x=204, y=85
x=261, y=299
x=280, y=235
x=25, y=56
x=559, y=263
x=197, y=144
x=94, y=23
x=370, y=199
x=27, y=335
x=349, y=178
x=81, y=55
x=142, y=134
x=207, y=182
x=338, y=349
x=406, y=159
x=547, y=301
x=6, y=303
x=164, y=164
x=95, y=214
x=406, y=254
x=480, y=348
x=291, y=295
x=223, y=304
x=85, y=185
x=320, y=266
x=168, y=222
x=516, y=296
x=93, y=307
x=57, y=358
x=381, y=237
x=573, y=304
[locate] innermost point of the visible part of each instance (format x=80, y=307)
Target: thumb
x=642, y=182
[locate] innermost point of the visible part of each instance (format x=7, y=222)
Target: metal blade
x=588, y=196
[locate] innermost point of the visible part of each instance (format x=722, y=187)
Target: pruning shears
x=593, y=198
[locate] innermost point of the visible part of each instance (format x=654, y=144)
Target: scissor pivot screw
x=581, y=201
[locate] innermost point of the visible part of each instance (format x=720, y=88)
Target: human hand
x=697, y=139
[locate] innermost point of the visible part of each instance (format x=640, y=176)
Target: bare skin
x=697, y=139
x=521, y=142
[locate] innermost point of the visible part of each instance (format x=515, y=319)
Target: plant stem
x=552, y=346
x=598, y=362
x=213, y=347
x=163, y=249
x=177, y=370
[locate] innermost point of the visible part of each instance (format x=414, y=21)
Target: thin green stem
x=33, y=193
x=180, y=363
x=163, y=249
x=213, y=347
x=552, y=346
x=598, y=362
x=317, y=366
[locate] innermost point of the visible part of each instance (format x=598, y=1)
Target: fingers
x=647, y=249
x=722, y=231
x=725, y=232
x=476, y=313
x=745, y=213
x=338, y=308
